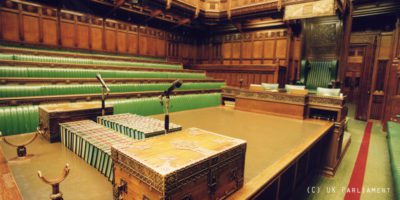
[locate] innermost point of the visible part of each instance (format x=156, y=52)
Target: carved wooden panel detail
x=323, y=37
x=35, y=24
x=310, y=9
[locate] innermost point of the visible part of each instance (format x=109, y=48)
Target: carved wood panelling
x=392, y=100
x=248, y=73
x=323, y=38
x=310, y=9
x=29, y=23
x=260, y=47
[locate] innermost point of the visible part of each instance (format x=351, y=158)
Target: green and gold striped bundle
x=92, y=142
x=136, y=126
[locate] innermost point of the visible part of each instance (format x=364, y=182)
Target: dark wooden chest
x=190, y=164
x=51, y=115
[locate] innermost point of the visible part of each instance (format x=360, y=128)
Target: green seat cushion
x=328, y=91
x=42, y=72
x=70, y=89
x=86, y=61
x=394, y=154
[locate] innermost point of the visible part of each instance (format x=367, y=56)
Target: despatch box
x=190, y=164
x=51, y=115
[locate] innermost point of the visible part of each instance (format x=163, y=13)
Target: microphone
x=98, y=76
x=176, y=84
x=161, y=99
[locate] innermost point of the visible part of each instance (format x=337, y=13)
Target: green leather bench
x=394, y=154
x=39, y=72
x=49, y=90
x=86, y=61
x=25, y=119
x=82, y=52
x=318, y=73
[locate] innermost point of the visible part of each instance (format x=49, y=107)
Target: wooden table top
x=69, y=107
x=169, y=153
x=272, y=142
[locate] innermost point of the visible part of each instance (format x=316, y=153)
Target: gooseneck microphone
x=176, y=84
x=98, y=76
x=103, y=94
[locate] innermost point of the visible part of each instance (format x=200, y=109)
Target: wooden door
x=363, y=61
x=356, y=62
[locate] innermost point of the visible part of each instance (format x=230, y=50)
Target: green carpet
x=377, y=173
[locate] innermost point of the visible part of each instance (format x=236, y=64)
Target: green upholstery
x=86, y=53
x=86, y=61
x=20, y=119
x=46, y=90
x=394, y=154
x=41, y=72
x=23, y=119
x=315, y=74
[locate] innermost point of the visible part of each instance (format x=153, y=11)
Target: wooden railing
x=247, y=74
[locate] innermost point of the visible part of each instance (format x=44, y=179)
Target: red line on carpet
x=354, y=188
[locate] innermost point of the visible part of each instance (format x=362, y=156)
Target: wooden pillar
x=59, y=40
x=20, y=23
x=40, y=15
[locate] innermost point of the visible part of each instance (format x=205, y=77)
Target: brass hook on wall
x=55, y=183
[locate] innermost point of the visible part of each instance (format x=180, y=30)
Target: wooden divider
x=30, y=23
x=250, y=74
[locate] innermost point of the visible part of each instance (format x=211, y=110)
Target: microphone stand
x=166, y=94
x=166, y=118
x=166, y=105
x=103, y=101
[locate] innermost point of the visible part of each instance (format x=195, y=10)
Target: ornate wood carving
x=323, y=38
x=310, y=9
x=42, y=25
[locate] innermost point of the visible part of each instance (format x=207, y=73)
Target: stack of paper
x=136, y=126
x=92, y=142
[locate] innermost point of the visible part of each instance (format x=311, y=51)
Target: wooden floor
x=8, y=187
x=272, y=142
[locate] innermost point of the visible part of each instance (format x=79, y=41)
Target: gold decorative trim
x=179, y=178
x=324, y=100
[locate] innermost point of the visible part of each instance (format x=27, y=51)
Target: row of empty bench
x=30, y=77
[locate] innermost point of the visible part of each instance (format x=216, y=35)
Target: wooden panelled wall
x=260, y=47
x=375, y=55
x=265, y=47
x=380, y=75
x=392, y=110
x=243, y=75
x=27, y=23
